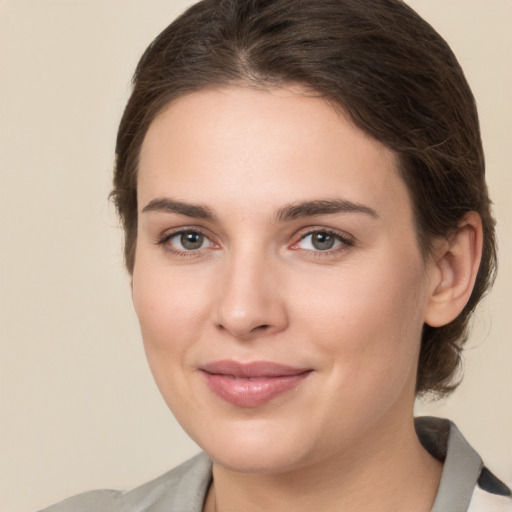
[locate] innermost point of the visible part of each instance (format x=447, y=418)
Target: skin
x=259, y=289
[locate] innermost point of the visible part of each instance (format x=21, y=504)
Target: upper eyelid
x=341, y=234
x=331, y=231
x=169, y=233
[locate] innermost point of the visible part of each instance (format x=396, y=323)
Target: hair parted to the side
x=377, y=60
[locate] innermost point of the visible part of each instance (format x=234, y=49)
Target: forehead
x=264, y=147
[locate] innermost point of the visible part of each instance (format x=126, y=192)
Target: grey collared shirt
x=466, y=484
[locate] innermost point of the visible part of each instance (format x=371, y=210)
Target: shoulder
x=490, y=494
x=100, y=500
x=466, y=483
x=486, y=501
x=183, y=488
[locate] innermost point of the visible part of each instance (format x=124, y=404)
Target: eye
x=322, y=241
x=186, y=241
x=319, y=241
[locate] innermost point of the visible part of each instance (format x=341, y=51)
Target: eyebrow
x=322, y=207
x=166, y=205
x=289, y=212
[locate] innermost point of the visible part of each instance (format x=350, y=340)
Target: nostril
x=263, y=327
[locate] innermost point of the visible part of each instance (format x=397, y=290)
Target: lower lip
x=252, y=392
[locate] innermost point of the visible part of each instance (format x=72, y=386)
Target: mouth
x=252, y=384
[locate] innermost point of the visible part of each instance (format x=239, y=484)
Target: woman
x=308, y=231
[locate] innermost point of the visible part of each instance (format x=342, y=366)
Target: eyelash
x=164, y=242
x=346, y=242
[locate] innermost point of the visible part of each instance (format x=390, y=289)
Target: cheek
x=369, y=320
x=171, y=308
x=166, y=302
x=170, y=313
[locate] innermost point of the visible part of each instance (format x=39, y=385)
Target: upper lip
x=255, y=369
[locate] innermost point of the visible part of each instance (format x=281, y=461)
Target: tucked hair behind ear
x=380, y=63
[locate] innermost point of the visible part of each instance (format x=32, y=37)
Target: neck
x=386, y=471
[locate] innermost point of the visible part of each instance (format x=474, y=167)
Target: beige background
x=78, y=407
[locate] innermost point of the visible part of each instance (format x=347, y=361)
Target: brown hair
x=382, y=64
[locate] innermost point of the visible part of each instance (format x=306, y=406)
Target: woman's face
x=278, y=280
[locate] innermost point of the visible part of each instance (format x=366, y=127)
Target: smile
x=251, y=385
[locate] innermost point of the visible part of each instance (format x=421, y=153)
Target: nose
x=251, y=302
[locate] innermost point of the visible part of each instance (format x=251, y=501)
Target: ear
x=455, y=267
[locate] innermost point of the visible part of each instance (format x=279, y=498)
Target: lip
x=251, y=384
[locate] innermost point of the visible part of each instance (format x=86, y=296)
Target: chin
x=257, y=461
x=260, y=447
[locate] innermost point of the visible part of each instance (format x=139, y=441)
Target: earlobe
x=456, y=267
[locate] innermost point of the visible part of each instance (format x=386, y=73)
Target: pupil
x=323, y=241
x=192, y=241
